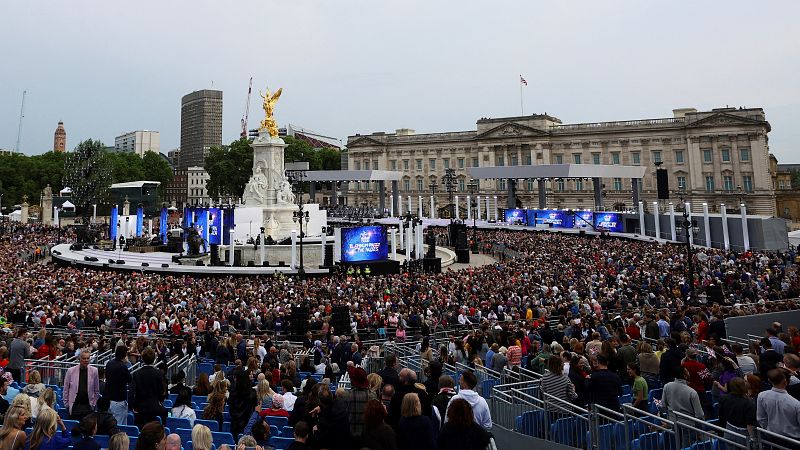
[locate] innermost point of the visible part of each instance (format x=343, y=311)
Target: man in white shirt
x=776, y=410
x=480, y=409
x=746, y=363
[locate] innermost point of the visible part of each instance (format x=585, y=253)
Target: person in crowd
x=556, y=386
x=120, y=441
x=148, y=391
x=173, y=442
x=745, y=363
x=44, y=436
x=12, y=436
x=45, y=401
x=389, y=374
x=776, y=410
x=678, y=396
x=178, y=385
x=201, y=437
x=105, y=421
x=605, y=386
x=202, y=386
x=737, y=412
x=446, y=391
x=639, y=389
x=415, y=431
x=35, y=387
x=375, y=382
x=151, y=436
x=769, y=358
x=215, y=408
x=672, y=356
x=461, y=432
x=332, y=428
x=301, y=434
x=4, y=404
x=377, y=435
x=81, y=387
x=84, y=434
x=478, y=404
x=182, y=407
x=19, y=350
x=242, y=401
x=357, y=401
x=119, y=377
x=275, y=408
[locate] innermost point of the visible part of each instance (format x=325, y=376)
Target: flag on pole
x=522, y=80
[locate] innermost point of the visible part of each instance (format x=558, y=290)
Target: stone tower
x=60, y=138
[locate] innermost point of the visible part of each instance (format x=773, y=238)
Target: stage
x=159, y=262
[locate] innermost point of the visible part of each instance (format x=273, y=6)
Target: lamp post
x=472, y=186
x=689, y=227
x=300, y=216
x=449, y=181
x=740, y=194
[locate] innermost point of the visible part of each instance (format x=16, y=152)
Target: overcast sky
x=108, y=67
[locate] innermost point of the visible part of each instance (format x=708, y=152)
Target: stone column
x=433, y=208
x=391, y=206
x=294, y=249
x=657, y=222
x=393, y=234
x=495, y=208
x=399, y=206
x=126, y=208
x=642, y=227
x=745, y=231
x=672, y=221
x=419, y=206
x=410, y=206
x=23, y=218
x=726, y=242
x=706, y=225
x=488, y=208
x=324, y=237
x=47, y=205
x=457, y=213
x=688, y=207
x=635, y=188
x=469, y=207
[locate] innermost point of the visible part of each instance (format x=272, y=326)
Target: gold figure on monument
x=269, y=108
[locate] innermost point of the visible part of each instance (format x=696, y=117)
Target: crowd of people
x=589, y=314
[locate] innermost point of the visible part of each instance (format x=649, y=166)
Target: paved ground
x=474, y=261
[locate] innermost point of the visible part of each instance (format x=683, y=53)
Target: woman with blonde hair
x=415, y=430
x=11, y=435
x=24, y=401
x=35, y=387
x=201, y=437
x=44, y=435
x=264, y=394
x=119, y=441
x=45, y=401
x=375, y=382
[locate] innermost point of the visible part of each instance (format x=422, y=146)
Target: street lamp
x=472, y=186
x=301, y=216
x=689, y=227
x=449, y=181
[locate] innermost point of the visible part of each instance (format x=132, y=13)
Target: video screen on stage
x=608, y=222
x=364, y=244
x=516, y=216
x=584, y=219
x=552, y=217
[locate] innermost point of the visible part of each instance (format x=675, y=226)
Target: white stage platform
x=155, y=263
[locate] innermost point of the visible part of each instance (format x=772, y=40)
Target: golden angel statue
x=269, y=108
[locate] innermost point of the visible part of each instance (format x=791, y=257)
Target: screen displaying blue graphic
x=214, y=226
x=552, y=217
x=517, y=216
x=362, y=244
x=608, y=222
x=584, y=219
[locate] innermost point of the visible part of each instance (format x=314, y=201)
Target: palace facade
x=720, y=156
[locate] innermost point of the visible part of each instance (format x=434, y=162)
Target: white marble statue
x=284, y=192
x=257, y=187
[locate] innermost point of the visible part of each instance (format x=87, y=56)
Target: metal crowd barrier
x=52, y=372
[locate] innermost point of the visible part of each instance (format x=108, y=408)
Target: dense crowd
x=589, y=314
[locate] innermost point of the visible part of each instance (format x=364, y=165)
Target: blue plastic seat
x=168, y=403
x=531, y=423
x=132, y=440
x=606, y=436
x=280, y=443
x=287, y=431
x=130, y=430
x=705, y=445
x=273, y=431
x=212, y=425
x=199, y=399
x=70, y=424
x=175, y=422
x=131, y=420
x=626, y=389
x=653, y=394
x=647, y=441
x=279, y=422
x=666, y=441
x=627, y=398
x=184, y=433
x=102, y=440
x=486, y=388
x=220, y=437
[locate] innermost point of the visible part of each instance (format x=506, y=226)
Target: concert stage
x=159, y=262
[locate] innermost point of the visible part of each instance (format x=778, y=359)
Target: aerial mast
x=21, y=115
x=246, y=110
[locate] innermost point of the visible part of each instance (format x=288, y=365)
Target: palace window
x=615, y=158
x=406, y=185
x=460, y=185
x=405, y=164
x=501, y=160
x=514, y=160
x=679, y=156
x=446, y=162
x=657, y=156
x=432, y=164
x=419, y=164
x=578, y=184
x=727, y=183
x=475, y=162
x=420, y=186
x=576, y=158
x=744, y=154
x=559, y=159
x=682, y=182
x=617, y=184
x=747, y=183
x=460, y=163
x=726, y=155
x=560, y=185
x=636, y=158
x=530, y=184
x=501, y=184
x=709, y=183
x=393, y=164
x=595, y=158
x=707, y=155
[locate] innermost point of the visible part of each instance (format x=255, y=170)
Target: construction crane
x=21, y=115
x=246, y=110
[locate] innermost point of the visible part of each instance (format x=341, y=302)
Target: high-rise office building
x=60, y=138
x=138, y=142
x=201, y=126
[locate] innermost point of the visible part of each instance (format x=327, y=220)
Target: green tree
x=157, y=168
x=125, y=167
x=88, y=173
x=229, y=168
x=330, y=158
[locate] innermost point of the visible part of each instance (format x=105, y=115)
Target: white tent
x=794, y=238
x=15, y=216
x=68, y=205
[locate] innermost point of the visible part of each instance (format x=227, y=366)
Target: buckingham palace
x=719, y=157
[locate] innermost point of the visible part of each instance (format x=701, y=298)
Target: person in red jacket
x=702, y=327
x=697, y=372
x=276, y=409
